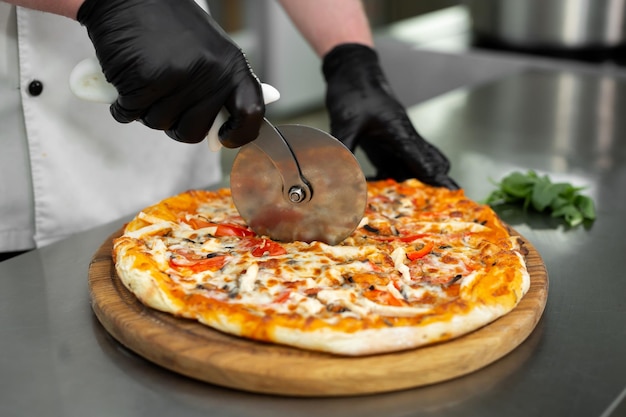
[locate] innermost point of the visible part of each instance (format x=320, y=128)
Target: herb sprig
x=541, y=194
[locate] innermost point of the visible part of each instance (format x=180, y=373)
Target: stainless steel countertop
x=57, y=360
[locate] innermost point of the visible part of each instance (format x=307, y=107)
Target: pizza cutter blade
x=296, y=182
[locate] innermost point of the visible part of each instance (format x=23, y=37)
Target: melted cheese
x=248, y=278
x=399, y=256
x=315, y=280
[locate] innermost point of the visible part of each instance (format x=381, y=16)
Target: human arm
x=362, y=108
x=328, y=23
x=67, y=8
x=173, y=66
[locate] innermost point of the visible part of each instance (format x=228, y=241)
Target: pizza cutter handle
x=87, y=82
x=270, y=95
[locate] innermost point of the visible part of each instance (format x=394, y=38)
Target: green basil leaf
x=562, y=189
x=539, y=193
x=570, y=192
x=570, y=213
x=586, y=206
x=559, y=202
x=518, y=184
x=544, y=192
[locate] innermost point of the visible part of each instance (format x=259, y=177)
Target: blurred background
x=281, y=57
x=432, y=47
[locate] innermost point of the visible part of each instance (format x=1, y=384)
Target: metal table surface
x=57, y=360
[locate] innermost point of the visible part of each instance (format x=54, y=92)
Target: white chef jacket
x=66, y=165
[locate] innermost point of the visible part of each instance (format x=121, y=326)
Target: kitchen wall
x=384, y=12
x=233, y=15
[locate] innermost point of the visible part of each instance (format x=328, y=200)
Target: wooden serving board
x=194, y=350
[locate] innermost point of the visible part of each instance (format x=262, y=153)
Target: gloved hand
x=174, y=68
x=364, y=112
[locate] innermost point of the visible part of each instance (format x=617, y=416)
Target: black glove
x=174, y=68
x=363, y=111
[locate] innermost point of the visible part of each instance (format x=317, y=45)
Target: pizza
x=425, y=265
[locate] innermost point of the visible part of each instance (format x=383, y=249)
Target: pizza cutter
x=296, y=182
x=293, y=182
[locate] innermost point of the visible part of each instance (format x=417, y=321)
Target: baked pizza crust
x=141, y=276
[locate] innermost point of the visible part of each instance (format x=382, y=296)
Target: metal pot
x=550, y=24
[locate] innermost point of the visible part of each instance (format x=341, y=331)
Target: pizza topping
x=247, y=279
x=392, y=288
x=195, y=262
x=307, y=306
x=370, y=228
x=264, y=247
x=454, y=279
x=342, y=299
x=151, y=229
x=398, y=256
x=418, y=253
x=400, y=238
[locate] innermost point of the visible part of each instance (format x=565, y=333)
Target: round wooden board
x=194, y=350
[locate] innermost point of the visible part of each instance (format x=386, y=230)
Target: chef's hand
x=364, y=112
x=174, y=69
